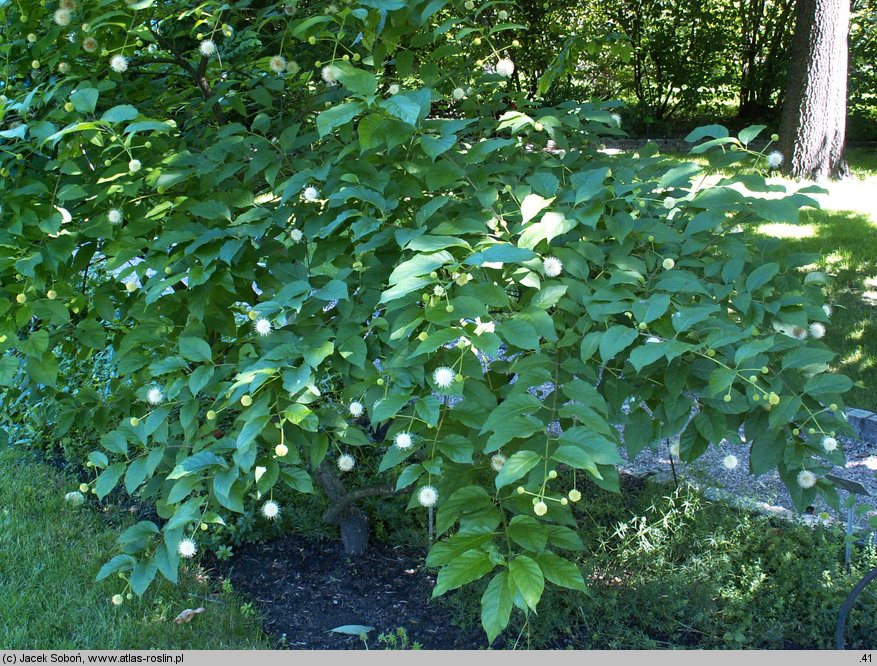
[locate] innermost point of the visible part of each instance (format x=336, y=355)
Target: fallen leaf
x=187, y=615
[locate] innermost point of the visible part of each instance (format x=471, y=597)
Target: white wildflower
x=817, y=330
x=134, y=166
x=403, y=440
x=497, y=462
x=806, y=479
x=730, y=462
x=154, y=396
x=827, y=310
x=207, y=48
x=62, y=17
x=346, y=462
x=356, y=409
x=427, y=496
x=505, y=67
x=443, y=377
x=263, y=327
x=328, y=76
x=311, y=193
x=829, y=444
x=187, y=548
x=552, y=266
x=775, y=159
x=270, y=509
x=458, y=93
x=114, y=216
x=296, y=235
x=119, y=63
x=393, y=89
x=277, y=64
x=668, y=264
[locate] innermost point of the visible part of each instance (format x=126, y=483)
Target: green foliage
x=668, y=569
x=45, y=603
x=270, y=247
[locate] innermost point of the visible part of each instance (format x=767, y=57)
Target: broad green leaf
x=516, y=466
x=465, y=568
x=528, y=579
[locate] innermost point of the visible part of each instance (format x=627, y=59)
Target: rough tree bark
x=813, y=125
x=343, y=511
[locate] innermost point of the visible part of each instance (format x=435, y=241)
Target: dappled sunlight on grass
x=782, y=230
x=846, y=243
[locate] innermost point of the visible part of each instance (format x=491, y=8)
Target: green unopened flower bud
x=574, y=495
x=552, y=474
x=134, y=421
x=774, y=137
x=246, y=400
x=727, y=397
x=520, y=490
x=211, y=415
x=83, y=487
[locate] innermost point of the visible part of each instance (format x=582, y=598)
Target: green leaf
x=501, y=253
x=761, y=276
x=615, y=340
x=516, y=466
x=528, y=579
x=747, y=134
x=8, y=370
x=827, y=385
x=446, y=551
x=561, y=572
x=527, y=532
x=91, y=334
x=108, y=479
x=465, y=568
x=712, y=131
x=119, y=114
x=196, y=463
x=409, y=107
x=519, y=333
x=353, y=629
x=85, y=99
x=337, y=116
x=142, y=576
x=354, y=79
x=531, y=205
x=116, y=564
x=652, y=308
x=200, y=378
x=496, y=606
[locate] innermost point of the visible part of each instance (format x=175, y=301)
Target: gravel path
x=765, y=493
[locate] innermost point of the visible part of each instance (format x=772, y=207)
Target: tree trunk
x=343, y=510
x=814, y=115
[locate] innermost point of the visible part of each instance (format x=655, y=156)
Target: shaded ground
x=304, y=588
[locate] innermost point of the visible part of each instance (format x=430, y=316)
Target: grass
x=844, y=235
x=50, y=553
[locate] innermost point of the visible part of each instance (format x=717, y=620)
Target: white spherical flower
x=115, y=216
x=669, y=203
x=503, y=15
x=817, y=330
x=89, y=44
x=497, y=462
x=552, y=266
x=427, y=496
x=540, y=508
x=730, y=462
x=829, y=444
x=328, y=75
x=119, y=63
x=827, y=310
x=277, y=64
x=263, y=327
x=154, y=396
x=806, y=479
x=31, y=38
x=270, y=509
x=62, y=17
x=118, y=600
x=296, y=235
x=311, y=193
x=674, y=449
x=393, y=89
x=443, y=377
x=356, y=409
x=134, y=166
x=458, y=93
x=289, y=9
x=187, y=548
x=346, y=462
x=668, y=264
x=207, y=47
x=775, y=159
x=63, y=67
x=617, y=119
x=505, y=67
x=403, y=440
x=75, y=498
x=292, y=67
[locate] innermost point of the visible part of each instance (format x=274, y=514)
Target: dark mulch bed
x=303, y=588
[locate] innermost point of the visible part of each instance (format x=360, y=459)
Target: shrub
x=339, y=231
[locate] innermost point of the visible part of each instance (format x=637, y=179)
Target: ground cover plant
x=338, y=253
x=50, y=552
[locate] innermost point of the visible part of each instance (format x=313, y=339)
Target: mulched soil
x=304, y=588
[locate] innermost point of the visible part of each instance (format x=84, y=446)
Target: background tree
x=813, y=126
x=765, y=36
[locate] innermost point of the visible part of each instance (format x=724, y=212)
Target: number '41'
x=866, y=658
